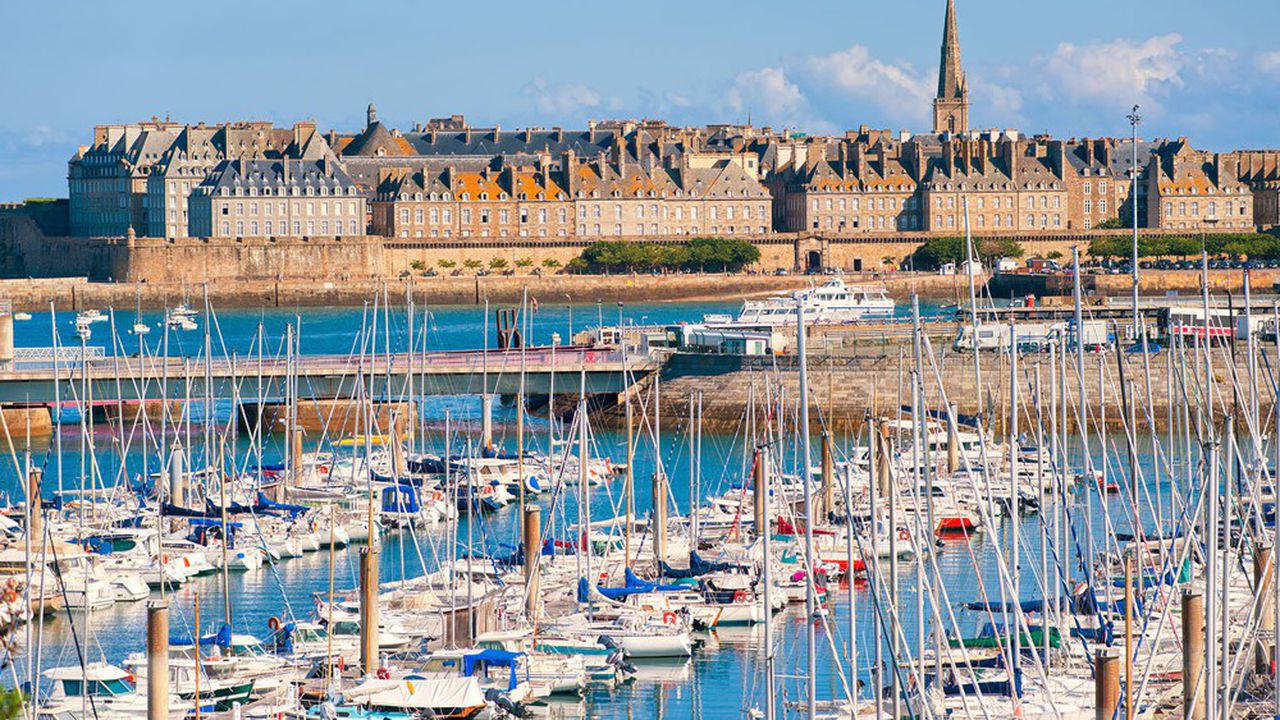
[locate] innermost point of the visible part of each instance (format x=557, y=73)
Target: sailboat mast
x=810, y=601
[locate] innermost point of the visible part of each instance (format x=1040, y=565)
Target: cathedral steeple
x=951, y=106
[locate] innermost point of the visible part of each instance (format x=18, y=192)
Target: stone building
x=1196, y=190
x=107, y=180
x=268, y=198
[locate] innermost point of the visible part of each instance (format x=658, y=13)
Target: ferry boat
x=832, y=303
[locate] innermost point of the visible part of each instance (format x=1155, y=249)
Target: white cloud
x=1268, y=62
x=855, y=74
x=766, y=91
x=1116, y=72
x=560, y=100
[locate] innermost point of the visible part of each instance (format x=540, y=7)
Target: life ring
x=322, y=469
x=669, y=617
x=904, y=535
x=273, y=623
x=740, y=596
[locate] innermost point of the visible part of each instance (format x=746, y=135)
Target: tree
x=701, y=253
x=1054, y=255
x=1111, y=223
x=577, y=265
x=446, y=263
x=497, y=263
x=524, y=262
x=472, y=264
x=550, y=263
x=936, y=252
x=417, y=266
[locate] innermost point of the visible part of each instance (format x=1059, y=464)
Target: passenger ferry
x=832, y=303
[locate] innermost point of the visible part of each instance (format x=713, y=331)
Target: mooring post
x=532, y=557
x=760, y=493
x=158, y=660
x=828, y=477
x=1262, y=574
x=1106, y=678
x=369, y=607
x=659, y=520
x=1194, y=686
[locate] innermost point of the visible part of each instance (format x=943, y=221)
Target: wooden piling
x=1194, y=687
x=1106, y=667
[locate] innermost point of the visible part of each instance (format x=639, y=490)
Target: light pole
x=1134, y=118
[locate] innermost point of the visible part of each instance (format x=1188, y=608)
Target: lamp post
x=1134, y=118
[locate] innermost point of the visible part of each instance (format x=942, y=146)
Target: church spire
x=951, y=106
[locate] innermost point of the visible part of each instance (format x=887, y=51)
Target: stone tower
x=951, y=106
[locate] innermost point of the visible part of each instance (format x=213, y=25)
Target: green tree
x=497, y=263
x=1111, y=223
x=1054, y=255
x=936, y=252
x=446, y=263
x=550, y=263
x=524, y=262
x=471, y=264
x=417, y=266
x=577, y=265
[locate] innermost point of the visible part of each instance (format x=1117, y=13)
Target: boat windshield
x=97, y=688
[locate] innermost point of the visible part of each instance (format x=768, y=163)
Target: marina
x=461, y=550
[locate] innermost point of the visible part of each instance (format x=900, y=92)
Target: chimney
x=1057, y=157
x=497, y=132
x=948, y=157
x=568, y=162
x=1087, y=145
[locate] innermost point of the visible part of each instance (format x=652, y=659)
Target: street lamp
x=1134, y=119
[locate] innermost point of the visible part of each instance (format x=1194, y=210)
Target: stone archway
x=810, y=254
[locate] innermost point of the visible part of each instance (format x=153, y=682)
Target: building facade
x=267, y=198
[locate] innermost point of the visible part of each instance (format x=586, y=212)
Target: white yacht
x=832, y=303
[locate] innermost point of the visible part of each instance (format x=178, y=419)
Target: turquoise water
x=725, y=675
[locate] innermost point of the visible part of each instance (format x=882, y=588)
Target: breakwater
x=847, y=387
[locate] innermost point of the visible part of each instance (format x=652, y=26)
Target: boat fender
x=606, y=641
x=273, y=623
x=383, y=674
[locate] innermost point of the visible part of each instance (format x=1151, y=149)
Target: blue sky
x=1206, y=70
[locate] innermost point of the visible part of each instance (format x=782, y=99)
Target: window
x=226, y=228
x=465, y=216
x=1102, y=187
x=563, y=214
x=542, y=215
x=1088, y=223
x=1213, y=209
x=270, y=229
x=417, y=216
x=253, y=228
x=311, y=227
x=1088, y=206
x=239, y=208
x=446, y=215
x=505, y=216
x=353, y=228
x=484, y=215
x=297, y=227
x=434, y=215
x=324, y=227
x=640, y=212
x=617, y=213
x=239, y=227
x=404, y=216
x=1088, y=188
x=1102, y=206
